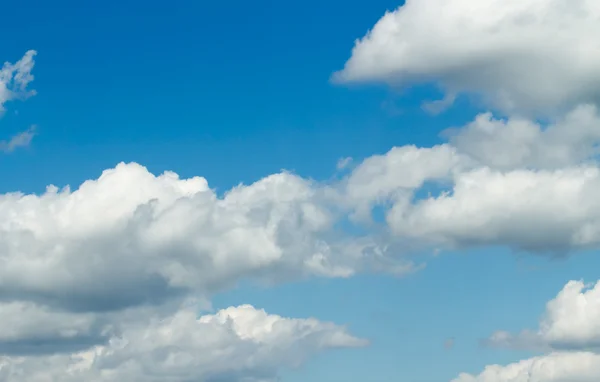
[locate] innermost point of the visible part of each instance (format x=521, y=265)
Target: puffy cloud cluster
x=506, y=182
x=532, y=56
x=96, y=282
x=512, y=182
x=569, y=329
x=93, y=279
x=131, y=238
x=88, y=268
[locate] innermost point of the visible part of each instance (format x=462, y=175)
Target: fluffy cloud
x=543, y=211
x=555, y=367
x=530, y=56
x=84, y=270
x=571, y=321
x=238, y=344
x=132, y=238
x=508, y=182
x=521, y=143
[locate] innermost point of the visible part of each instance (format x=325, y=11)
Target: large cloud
x=238, y=344
x=132, y=238
x=531, y=56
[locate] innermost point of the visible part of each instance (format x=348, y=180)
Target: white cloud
x=571, y=321
x=555, y=367
x=23, y=139
x=521, y=143
x=395, y=175
x=343, y=163
x=538, y=56
x=238, y=344
x=498, y=182
x=545, y=211
x=131, y=238
x=14, y=79
x=570, y=329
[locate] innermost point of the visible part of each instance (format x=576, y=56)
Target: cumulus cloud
x=571, y=322
x=511, y=183
x=569, y=330
x=238, y=344
x=521, y=143
x=555, y=367
x=540, y=211
x=131, y=238
x=530, y=56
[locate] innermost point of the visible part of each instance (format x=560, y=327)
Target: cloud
x=569, y=330
x=14, y=79
x=512, y=183
x=84, y=269
x=22, y=139
x=571, y=322
x=554, y=367
x=521, y=143
x=507, y=53
x=237, y=344
x=539, y=211
x=131, y=238
x=343, y=163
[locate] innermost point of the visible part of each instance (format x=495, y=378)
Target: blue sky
x=203, y=83
x=236, y=91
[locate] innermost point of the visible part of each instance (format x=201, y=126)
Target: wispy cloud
x=23, y=139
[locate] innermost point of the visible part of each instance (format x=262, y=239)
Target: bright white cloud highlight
x=537, y=56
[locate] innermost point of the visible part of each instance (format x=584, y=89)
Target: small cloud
x=14, y=79
x=449, y=343
x=343, y=163
x=22, y=139
x=439, y=106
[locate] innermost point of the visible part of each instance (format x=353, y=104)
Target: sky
x=279, y=192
